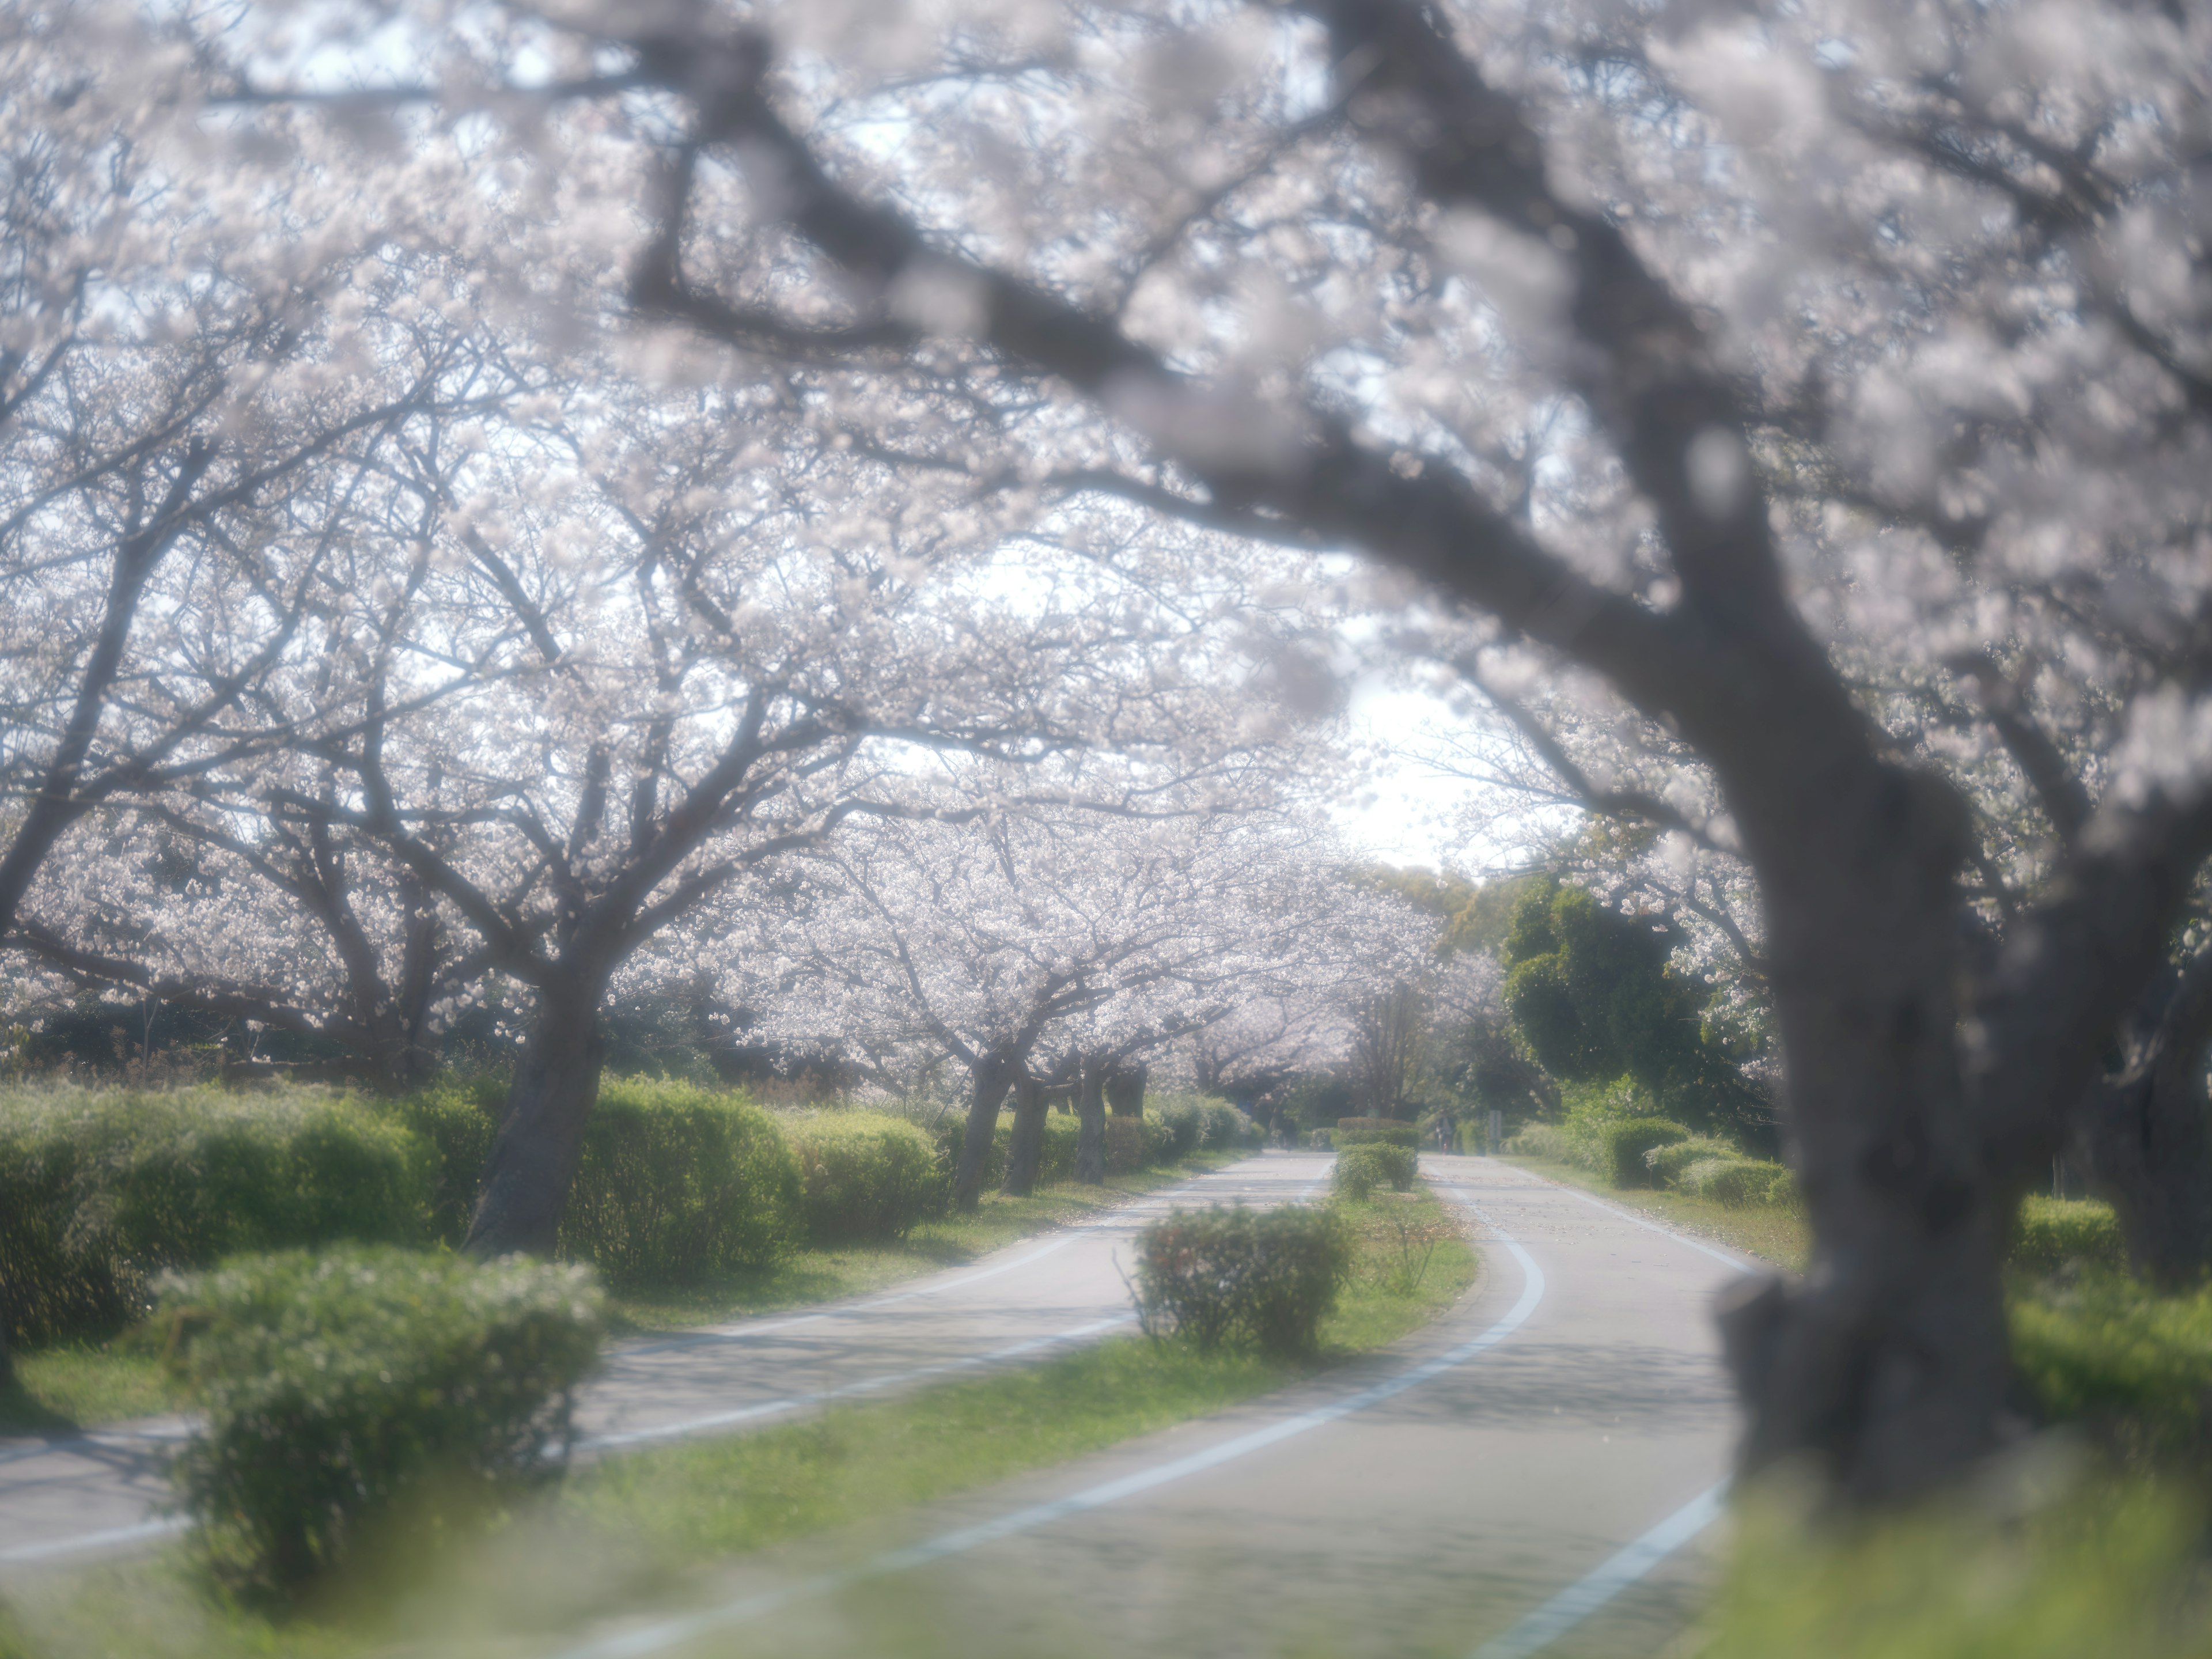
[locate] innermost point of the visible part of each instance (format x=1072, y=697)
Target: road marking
x=1587, y=1595
x=845, y=1391
x=94, y=1540
x=659, y=1638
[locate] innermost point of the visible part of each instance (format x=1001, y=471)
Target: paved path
x=66, y=1500
x=1472, y=1491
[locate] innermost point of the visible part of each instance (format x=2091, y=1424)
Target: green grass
x=620, y=1531
x=82, y=1384
x=1769, y=1232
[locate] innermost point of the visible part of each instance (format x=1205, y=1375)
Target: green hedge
x=1360, y=1169
x=2051, y=1232
x=863, y=1176
x=1267, y=1277
x=1741, y=1183
x=1623, y=1144
x=456, y=1121
x=1544, y=1140
x=1373, y=1131
x=678, y=1182
x=100, y=1190
x=1665, y=1164
x=369, y=1385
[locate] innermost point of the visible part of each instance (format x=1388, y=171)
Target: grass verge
x=620, y=1530
x=82, y=1385
x=1769, y=1232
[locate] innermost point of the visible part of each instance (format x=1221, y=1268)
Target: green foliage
x=1626, y=1142
x=1740, y=1184
x=1592, y=993
x=101, y=1190
x=1315, y=1101
x=366, y=1386
x=678, y=1181
x=1371, y=1131
x=1544, y=1140
x=455, y=1119
x=1360, y=1169
x=2038, y=1568
x=1666, y=1164
x=2051, y=1232
x=864, y=1175
x=2137, y=1366
x=1269, y=1277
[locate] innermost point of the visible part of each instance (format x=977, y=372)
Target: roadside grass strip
x=668, y=1633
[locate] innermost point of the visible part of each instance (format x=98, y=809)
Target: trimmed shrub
x=1324, y=1138
x=1225, y=1126
x=863, y=1176
x=368, y=1384
x=1181, y=1120
x=1545, y=1140
x=1666, y=1164
x=1126, y=1145
x=1268, y=1277
x=1162, y=1140
x=678, y=1182
x=1741, y=1183
x=1375, y=1131
x=1623, y=1142
x=2051, y=1232
x=1360, y=1169
x=100, y=1190
x=455, y=1122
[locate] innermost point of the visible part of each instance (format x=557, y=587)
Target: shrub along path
x=1398, y=1505
x=63, y=1499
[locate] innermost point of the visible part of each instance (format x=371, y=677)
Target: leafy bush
x=1741, y=1183
x=101, y=1190
x=1162, y=1140
x=863, y=1176
x=2135, y=1366
x=455, y=1122
x=1360, y=1169
x=678, y=1182
x=1374, y=1131
x=1666, y=1164
x=2051, y=1232
x=1181, y=1119
x=1623, y=1142
x=1126, y=1144
x=1545, y=1140
x=346, y=1389
x=1268, y=1277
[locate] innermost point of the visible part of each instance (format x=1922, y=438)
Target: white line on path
x=659, y=1638
x=1548, y=1623
x=1721, y=1256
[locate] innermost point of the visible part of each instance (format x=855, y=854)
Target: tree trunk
x=541, y=1139
x=2145, y=1135
x=1091, y=1119
x=1124, y=1089
x=993, y=1076
x=1026, y=1150
x=1887, y=1365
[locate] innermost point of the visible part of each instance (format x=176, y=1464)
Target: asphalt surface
x=1467, y=1491
x=67, y=1499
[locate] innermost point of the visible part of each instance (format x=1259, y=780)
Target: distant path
x=1533, y=1472
x=67, y=1498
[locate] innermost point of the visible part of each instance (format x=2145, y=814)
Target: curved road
x=1533, y=1472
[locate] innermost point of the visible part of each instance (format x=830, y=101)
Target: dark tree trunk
x=2142, y=1132
x=1026, y=1150
x=993, y=1076
x=541, y=1139
x=1124, y=1089
x=1091, y=1119
x=1888, y=1362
